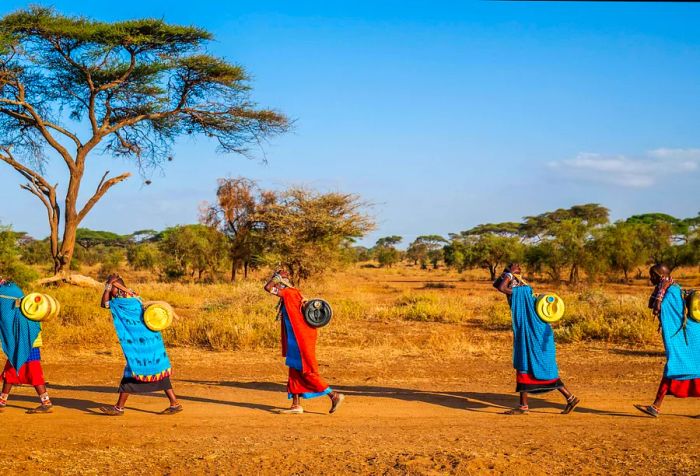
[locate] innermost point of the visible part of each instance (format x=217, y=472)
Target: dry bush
x=591, y=315
x=373, y=309
x=594, y=315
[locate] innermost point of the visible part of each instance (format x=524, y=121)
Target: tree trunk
x=492, y=271
x=573, y=274
x=70, y=228
x=234, y=268
x=245, y=269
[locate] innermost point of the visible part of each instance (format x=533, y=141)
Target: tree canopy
x=74, y=88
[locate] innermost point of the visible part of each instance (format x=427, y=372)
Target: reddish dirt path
x=404, y=414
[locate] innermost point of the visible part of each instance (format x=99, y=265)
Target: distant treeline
x=302, y=230
x=560, y=244
x=310, y=233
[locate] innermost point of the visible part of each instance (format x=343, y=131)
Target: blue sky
x=444, y=115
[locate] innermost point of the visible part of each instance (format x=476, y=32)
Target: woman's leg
x=565, y=391
x=571, y=400
x=523, y=400
x=522, y=409
x=174, y=407
x=6, y=389
x=660, y=394
x=121, y=401
x=337, y=399
x=171, y=396
x=43, y=394
x=654, y=409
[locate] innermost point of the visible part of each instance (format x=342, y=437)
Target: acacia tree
x=487, y=246
x=75, y=89
x=563, y=234
x=236, y=215
x=623, y=243
x=385, y=250
x=307, y=232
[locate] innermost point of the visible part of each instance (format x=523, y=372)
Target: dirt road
x=404, y=414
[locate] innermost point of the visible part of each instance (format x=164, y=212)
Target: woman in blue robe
x=534, y=352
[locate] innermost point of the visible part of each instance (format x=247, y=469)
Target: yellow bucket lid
x=37, y=306
x=694, y=306
x=158, y=316
x=550, y=307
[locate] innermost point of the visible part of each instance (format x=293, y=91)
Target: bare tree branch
x=101, y=190
x=41, y=126
x=31, y=121
x=102, y=181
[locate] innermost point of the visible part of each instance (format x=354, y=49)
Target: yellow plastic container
x=694, y=306
x=39, y=307
x=550, y=307
x=158, y=316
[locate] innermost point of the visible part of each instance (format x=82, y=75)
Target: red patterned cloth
x=307, y=384
x=30, y=373
x=680, y=388
x=305, y=335
x=528, y=383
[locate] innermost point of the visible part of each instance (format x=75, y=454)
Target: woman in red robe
x=299, y=347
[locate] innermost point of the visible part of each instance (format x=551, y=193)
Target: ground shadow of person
x=60, y=402
x=470, y=401
x=187, y=398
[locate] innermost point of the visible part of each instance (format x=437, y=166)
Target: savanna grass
x=373, y=309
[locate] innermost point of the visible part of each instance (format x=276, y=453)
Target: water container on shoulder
x=550, y=307
x=317, y=312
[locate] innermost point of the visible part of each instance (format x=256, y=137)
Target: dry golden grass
x=399, y=310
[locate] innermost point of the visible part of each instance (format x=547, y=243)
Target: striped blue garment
x=146, y=358
x=534, y=351
x=17, y=333
x=682, y=345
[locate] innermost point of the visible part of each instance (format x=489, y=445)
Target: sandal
x=172, y=410
x=336, y=402
x=649, y=410
x=112, y=411
x=516, y=411
x=570, y=405
x=41, y=409
x=294, y=410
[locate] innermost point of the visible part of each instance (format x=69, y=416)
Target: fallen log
x=72, y=279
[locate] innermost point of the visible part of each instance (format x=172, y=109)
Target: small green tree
x=192, y=250
x=144, y=256
x=427, y=249
x=568, y=231
x=623, y=246
x=10, y=265
x=490, y=246
x=306, y=231
x=491, y=252
x=385, y=250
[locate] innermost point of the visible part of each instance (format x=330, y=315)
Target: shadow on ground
x=88, y=405
x=469, y=401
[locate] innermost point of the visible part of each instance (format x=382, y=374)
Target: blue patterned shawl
x=16, y=331
x=146, y=358
x=534, y=352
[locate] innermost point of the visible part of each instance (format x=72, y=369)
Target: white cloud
x=625, y=171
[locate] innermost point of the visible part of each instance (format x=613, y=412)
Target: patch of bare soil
x=409, y=414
